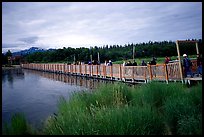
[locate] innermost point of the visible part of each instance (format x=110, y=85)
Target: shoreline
x=10, y=67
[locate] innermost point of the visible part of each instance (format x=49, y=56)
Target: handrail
x=150, y=72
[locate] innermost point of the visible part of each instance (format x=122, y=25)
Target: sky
x=84, y=24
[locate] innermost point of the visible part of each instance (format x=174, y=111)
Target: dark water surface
x=36, y=94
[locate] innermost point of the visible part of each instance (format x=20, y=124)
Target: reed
x=106, y=120
x=184, y=112
x=18, y=126
x=117, y=109
x=156, y=93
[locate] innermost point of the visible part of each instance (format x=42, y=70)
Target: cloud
x=32, y=23
x=29, y=40
x=9, y=45
x=13, y=47
x=91, y=23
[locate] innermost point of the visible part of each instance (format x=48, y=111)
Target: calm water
x=36, y=93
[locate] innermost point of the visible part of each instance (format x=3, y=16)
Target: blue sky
x=85, y=24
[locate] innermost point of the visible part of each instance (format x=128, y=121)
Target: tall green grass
x=156, y=93
x=18, y=126
x=104, y=112
x=117, y=109
x=154, y=108
x=184, y=112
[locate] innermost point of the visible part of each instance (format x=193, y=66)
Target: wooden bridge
x=133, y=74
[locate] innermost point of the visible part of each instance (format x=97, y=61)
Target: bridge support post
x=179, y=57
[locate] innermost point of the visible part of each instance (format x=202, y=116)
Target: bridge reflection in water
x=86, y=82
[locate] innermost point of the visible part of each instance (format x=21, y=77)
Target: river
x=36, y=93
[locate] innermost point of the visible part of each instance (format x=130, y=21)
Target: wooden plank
x=196, y=78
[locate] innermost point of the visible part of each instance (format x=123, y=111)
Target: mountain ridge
x=30, y=51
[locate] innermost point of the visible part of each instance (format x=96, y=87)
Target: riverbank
x=10, y=67
x=116, y=109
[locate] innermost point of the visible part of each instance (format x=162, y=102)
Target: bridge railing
x=194, y=65
x=173, y=70
x=157, y=72
x=152, y=72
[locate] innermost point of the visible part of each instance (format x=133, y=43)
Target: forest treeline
x=114, y=52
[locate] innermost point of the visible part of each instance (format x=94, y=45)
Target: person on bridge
x=134, y=63
x=110, y=63
x=129, y=63
x=187, y=66
x=89, y=63
x=153, y=61
x=143, y=63
x=167, y=59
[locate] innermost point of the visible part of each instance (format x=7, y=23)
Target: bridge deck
x=189, y=80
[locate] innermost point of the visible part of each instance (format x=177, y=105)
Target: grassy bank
x=117, y=109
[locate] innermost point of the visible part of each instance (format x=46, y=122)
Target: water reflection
x=89, y=83
x=11, y=74
x=33, y=93
x=37, y=93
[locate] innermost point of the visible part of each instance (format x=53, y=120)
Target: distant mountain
x=51, y=49
x=28, y=51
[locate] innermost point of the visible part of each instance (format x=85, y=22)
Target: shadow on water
x=86, y=82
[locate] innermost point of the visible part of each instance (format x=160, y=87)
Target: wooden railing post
x=145, y=75
x=180, y=66
x=58, y=70
x=104, y=70
x=85, y=69
x=120, y=72
x=91, y=69
x=150, y=72
x=64, y=68
x=111, y=71
x=97, y=70
x=54, y=67
x=70, y=68
x=67, y=70
x=166, y=72
x=132, y=73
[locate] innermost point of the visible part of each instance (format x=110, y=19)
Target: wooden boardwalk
x=133, y=74
x=189, y=80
